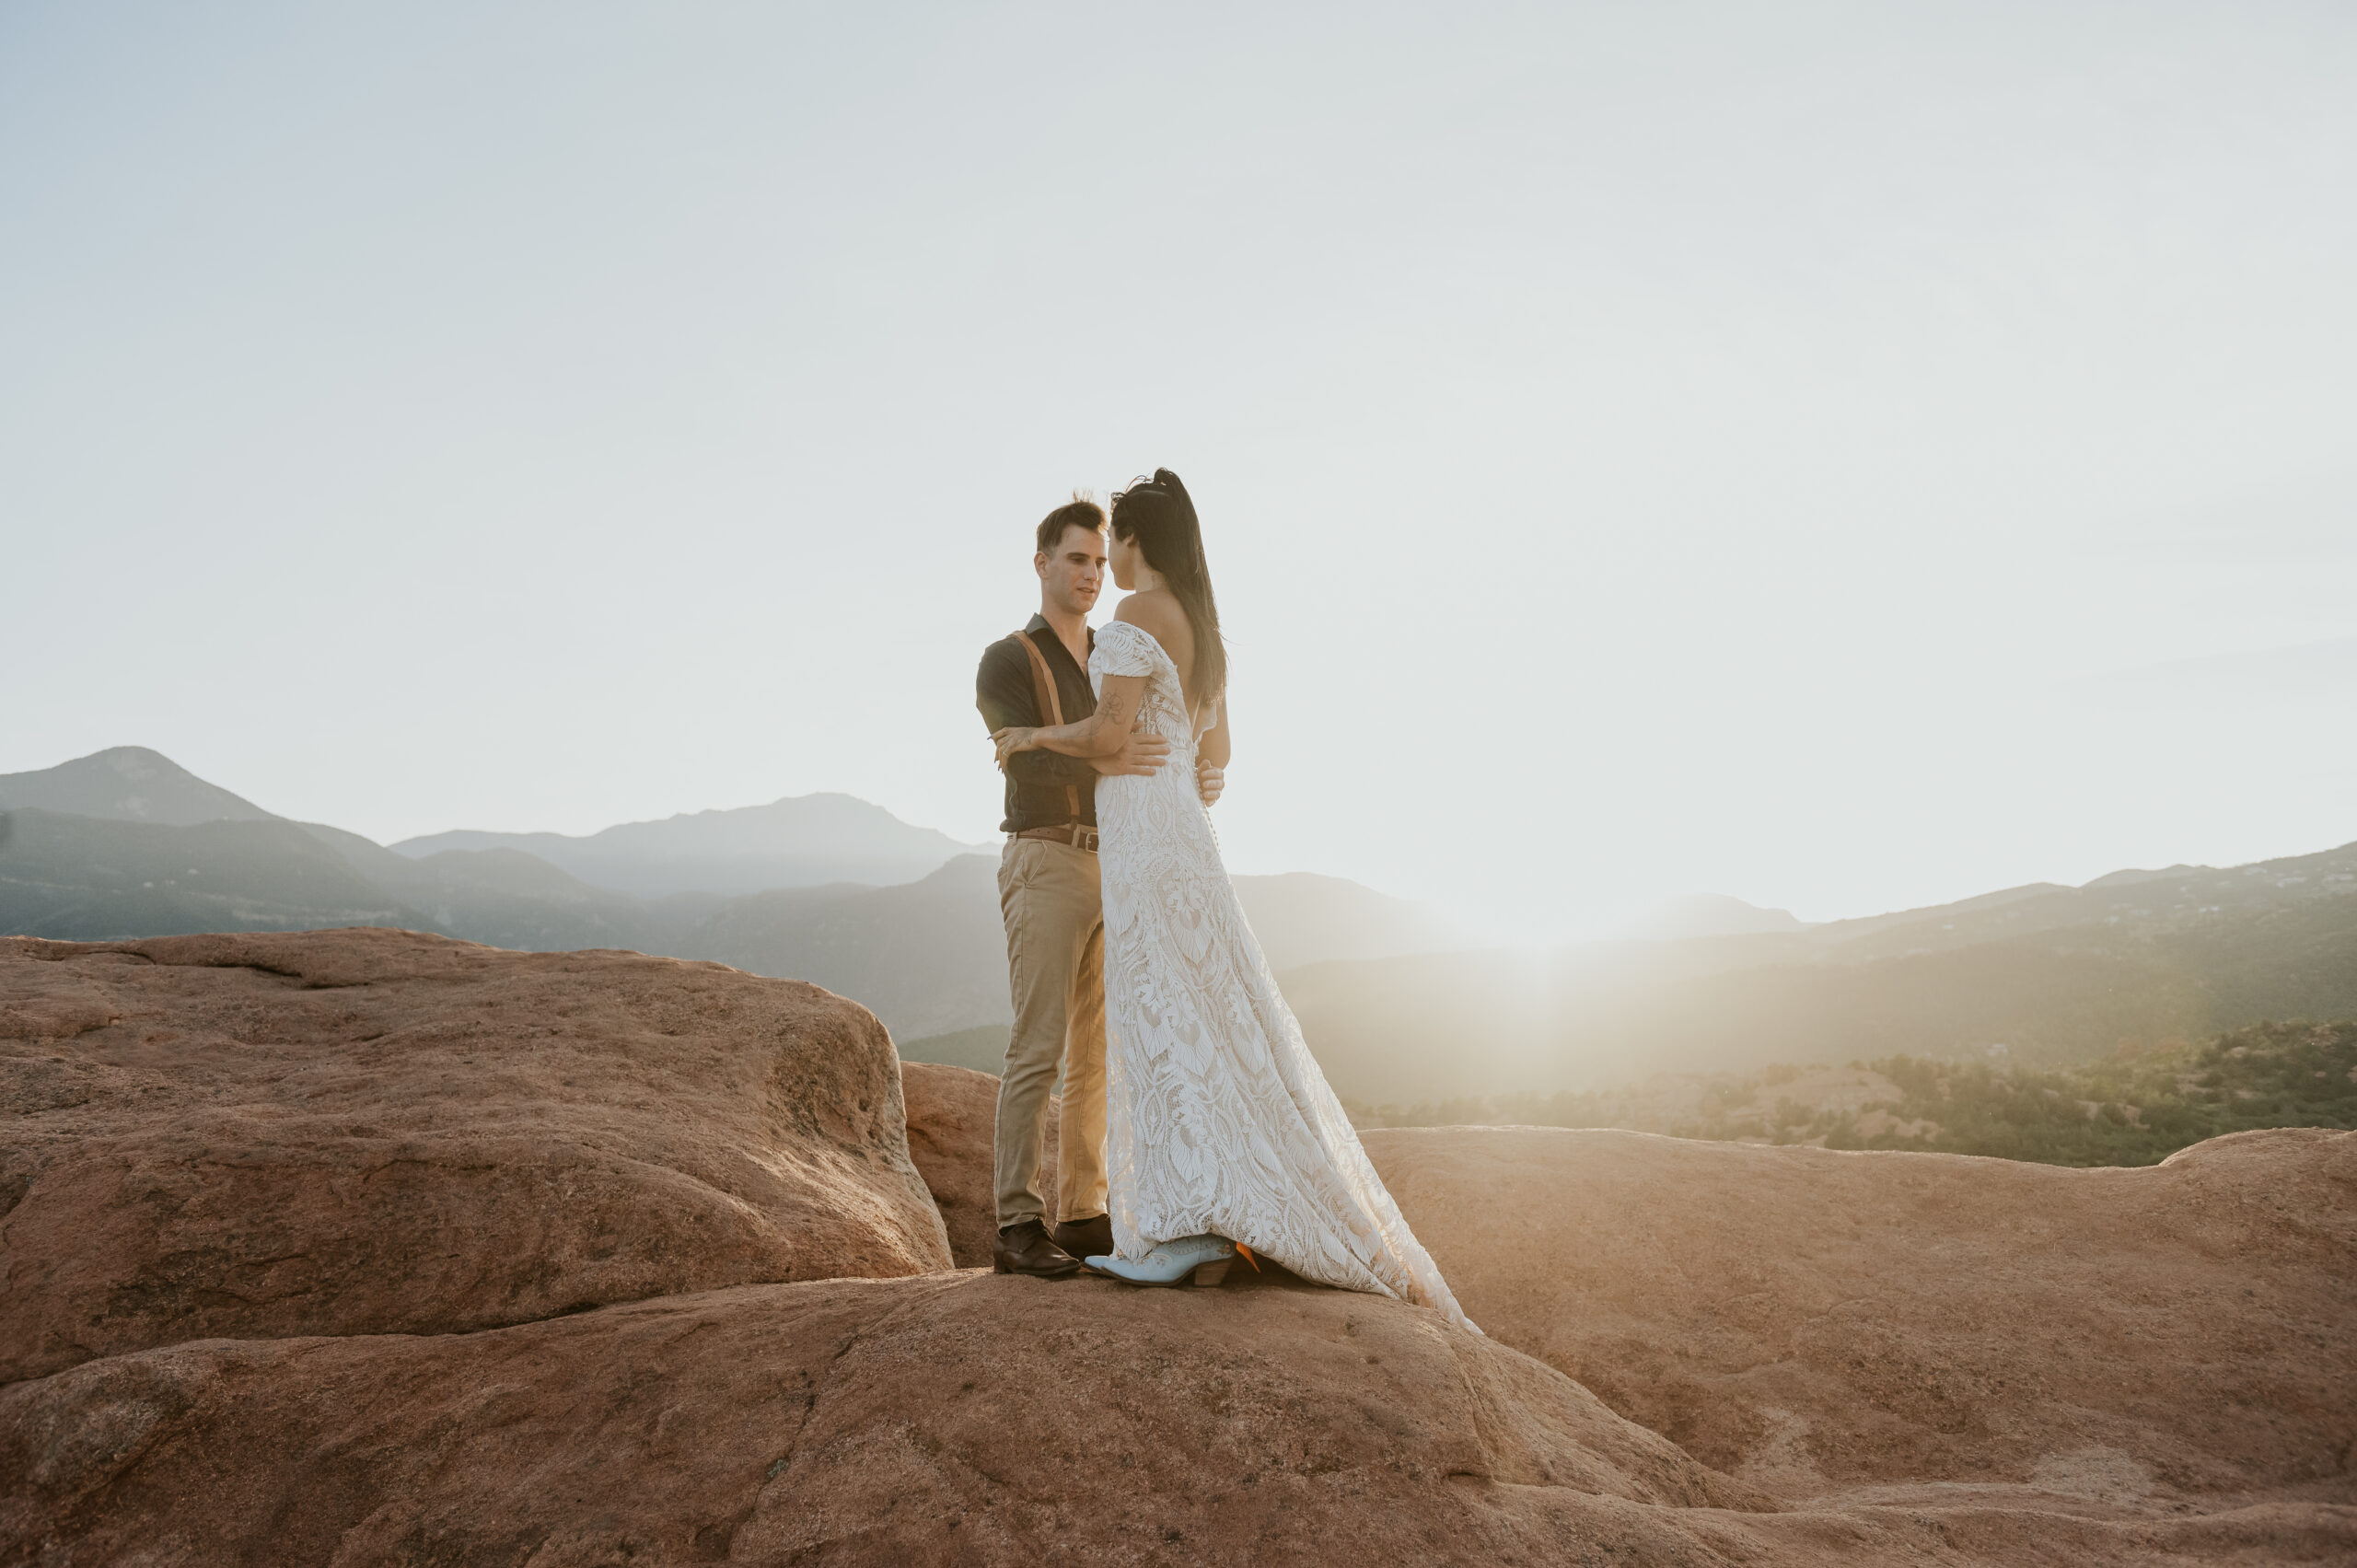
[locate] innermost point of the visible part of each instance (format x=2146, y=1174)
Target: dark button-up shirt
x=1041, y=786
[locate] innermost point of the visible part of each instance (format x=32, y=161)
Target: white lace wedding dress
x=1218, y=1119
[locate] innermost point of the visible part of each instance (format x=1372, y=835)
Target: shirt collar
x=1039, y=623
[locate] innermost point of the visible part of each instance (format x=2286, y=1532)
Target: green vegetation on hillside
x=2137, y=1107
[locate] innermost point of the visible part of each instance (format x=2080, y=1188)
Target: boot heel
x=1210, y=1275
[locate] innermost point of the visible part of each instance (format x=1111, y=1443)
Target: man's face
x=1075, y=573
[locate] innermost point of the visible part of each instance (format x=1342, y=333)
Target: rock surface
x=373, y=1132
x=310, y=1216
x=1826, y=1323
x=951, y=1113
x=961, y=1418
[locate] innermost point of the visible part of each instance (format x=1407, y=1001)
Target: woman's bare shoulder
x=1158, y=611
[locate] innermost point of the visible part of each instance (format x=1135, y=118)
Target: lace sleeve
x=1123, y=649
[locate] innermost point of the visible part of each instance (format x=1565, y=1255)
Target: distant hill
x=2136, y=1107
x=927, y=953
x=1394, y=1010
x=983, y=1047
x=927, y=957
x=800, y=841
x=930, y=956
x=82, y=878
x=1302, y=918
x=2053, y=974
x=127, y=783
x=1712, y=914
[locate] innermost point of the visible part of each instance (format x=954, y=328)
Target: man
x=1048, y=895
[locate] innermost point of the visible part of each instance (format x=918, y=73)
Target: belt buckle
x=1082, y=831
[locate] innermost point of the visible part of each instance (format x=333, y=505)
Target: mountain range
x=127, y=843
x=128, y=783
x=2042, y=975
x=802, y=842
x=1397, y=1008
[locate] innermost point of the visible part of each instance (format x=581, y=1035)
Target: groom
x=1048, y=895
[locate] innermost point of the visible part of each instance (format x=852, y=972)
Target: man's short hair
x=1080, y=511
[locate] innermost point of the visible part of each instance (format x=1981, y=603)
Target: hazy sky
x=1845, y=456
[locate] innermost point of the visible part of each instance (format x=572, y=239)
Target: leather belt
x=1079, y=835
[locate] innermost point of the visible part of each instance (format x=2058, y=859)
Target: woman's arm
x=1210, y=758
x=1214, y=747
x=1099, y=735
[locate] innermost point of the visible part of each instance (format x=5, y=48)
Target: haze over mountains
x=1712, y=914
x=802, y=842
x=2038, y=975
x=820, y=888
x=128, y=783
x=125, y=844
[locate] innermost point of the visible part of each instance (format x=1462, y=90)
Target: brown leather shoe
x=1024, y=1248
x=1091, y=1237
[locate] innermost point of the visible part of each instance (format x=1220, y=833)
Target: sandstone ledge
x=959, y=1418
x=1823, y=1323
x=356, y=1246
x=367, y=1131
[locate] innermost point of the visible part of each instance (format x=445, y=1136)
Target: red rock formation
x=1887, y=1331
x=1929, y=1360
x=1826, y=1323
x=967, y=1419
x=373, y=1131
x=959, y=1417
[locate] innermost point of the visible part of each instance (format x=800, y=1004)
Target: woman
x=1220, y=1127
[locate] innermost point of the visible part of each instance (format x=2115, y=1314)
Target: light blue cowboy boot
x=1205, y=1257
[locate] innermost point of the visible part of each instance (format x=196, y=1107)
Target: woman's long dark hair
x=1158, y=514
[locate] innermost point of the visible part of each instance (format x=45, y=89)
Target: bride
x=1221, y=1128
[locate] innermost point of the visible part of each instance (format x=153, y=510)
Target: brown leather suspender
x=1043, y=686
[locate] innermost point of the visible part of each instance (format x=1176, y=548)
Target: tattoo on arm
x=1119, y=710
x=1103, y=733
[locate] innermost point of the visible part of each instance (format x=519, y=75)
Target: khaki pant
x=1055, y=960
